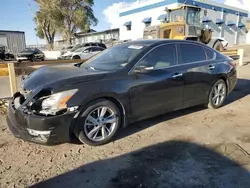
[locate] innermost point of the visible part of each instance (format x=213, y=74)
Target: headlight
x=56, y=102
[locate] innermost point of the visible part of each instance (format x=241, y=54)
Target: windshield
x=28, y=50
x=114, y=58
x=79, y=49
x=177, y=15
x=193, y=16
x=76, y=47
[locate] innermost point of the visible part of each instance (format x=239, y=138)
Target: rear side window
x=210, y=54
x=191, y=53
x=161, y=57
x=95, y=49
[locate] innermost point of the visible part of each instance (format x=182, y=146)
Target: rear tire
x=102, y=117
x=217, y=95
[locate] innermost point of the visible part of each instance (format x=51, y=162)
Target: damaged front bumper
x=46, y=130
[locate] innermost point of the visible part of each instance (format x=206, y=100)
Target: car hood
x=67, y=54
x=60, y=75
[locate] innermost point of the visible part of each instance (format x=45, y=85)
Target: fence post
x=241, y=54
x=12, y=78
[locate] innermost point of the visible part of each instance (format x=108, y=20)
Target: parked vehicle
x=2, y=52
x=68, y=54
x=30, y=54
x=123, y=84
x=5, y=54
x=85, y=52
x=66, y=49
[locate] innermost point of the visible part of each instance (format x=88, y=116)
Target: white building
x=225, y=21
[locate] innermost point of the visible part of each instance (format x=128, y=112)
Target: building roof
x=9, y=31
x=153, y=42
x=207, y=4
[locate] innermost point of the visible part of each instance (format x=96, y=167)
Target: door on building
x=3, y=40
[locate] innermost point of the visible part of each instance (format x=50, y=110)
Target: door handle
x=177, y=75
x=211, y=67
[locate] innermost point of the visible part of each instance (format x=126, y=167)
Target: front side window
x=191, y=53
x=177, y=15
x=161, y=57
x=193, y=16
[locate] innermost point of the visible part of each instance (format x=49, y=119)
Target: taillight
x=233, y=64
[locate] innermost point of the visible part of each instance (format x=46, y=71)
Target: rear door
x=199, y=72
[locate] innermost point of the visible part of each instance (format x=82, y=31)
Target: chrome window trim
x=176, y=47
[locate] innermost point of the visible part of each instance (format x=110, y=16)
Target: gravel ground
x=196, y=147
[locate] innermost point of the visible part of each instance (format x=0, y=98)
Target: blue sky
x=16, y=15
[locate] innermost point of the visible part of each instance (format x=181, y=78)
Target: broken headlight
x=55, y=103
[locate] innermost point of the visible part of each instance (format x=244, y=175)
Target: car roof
x=155, y=42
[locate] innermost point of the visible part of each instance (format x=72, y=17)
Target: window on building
x=191, y=53
x=161, y=57
x=128, y=27
x=148, y=24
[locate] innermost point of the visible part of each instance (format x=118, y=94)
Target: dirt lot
x=196, y=147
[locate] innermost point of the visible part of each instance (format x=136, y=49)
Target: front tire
x=98, y=123
x=217, y=94
x=76, y=57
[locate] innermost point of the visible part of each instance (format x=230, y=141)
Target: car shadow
x=241, y=90
x=164, y=165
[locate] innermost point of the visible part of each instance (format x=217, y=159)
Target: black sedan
x=30, y=54
x=123, y=84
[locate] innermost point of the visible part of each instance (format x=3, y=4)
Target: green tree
x=77, y=15
x=47, y=21
x=63, y=17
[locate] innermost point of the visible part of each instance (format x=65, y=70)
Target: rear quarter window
x=210, y=54
x=220, y=56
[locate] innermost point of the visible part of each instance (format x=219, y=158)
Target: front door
x=159, y=88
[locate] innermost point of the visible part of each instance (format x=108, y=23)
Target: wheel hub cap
x=100, y=123
x=219, y=93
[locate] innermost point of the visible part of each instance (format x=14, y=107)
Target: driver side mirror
x=142, y=69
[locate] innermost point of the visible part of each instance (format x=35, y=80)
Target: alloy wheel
x=219, y=94
x=100, y=123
